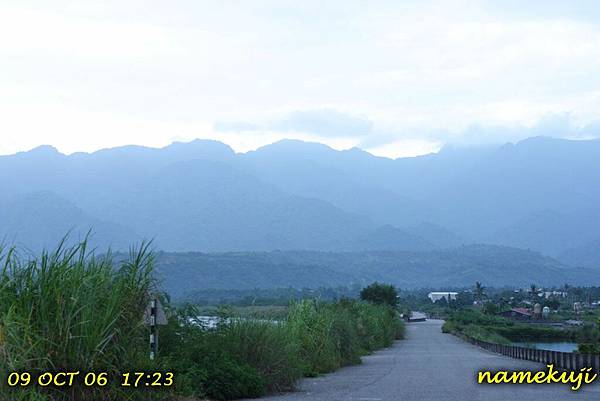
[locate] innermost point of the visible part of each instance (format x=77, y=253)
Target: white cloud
x=82, y=75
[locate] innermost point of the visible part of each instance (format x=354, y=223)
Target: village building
x=517, y=314
x=448, y=295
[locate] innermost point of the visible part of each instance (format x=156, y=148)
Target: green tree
x=479, y=292
x=490, y=308
x=380, y=294
x=534, y=290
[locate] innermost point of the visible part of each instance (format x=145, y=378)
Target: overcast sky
x=395, y=78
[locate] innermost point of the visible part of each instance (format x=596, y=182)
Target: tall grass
x=69, y=310
x=250, y=357
x=332, y=335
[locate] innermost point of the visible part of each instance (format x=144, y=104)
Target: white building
x=436, y=296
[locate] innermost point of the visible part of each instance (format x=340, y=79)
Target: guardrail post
x=562, y=360
x=588, y=360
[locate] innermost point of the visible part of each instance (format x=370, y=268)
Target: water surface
x=553, y=346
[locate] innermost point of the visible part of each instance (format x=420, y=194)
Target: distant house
x=558, y=294
x=517, y=314
x=436, y=296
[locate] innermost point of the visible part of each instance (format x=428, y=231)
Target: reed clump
x=69, y=310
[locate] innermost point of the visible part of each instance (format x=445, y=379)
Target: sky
x=396, y=78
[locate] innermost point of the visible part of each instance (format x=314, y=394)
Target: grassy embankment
x=69, y=310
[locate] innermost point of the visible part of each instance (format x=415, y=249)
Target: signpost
x=154, y=316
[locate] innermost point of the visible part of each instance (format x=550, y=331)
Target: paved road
x=429, y=366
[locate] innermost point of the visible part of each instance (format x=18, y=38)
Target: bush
x=226, y=379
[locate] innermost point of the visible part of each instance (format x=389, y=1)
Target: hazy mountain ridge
x=587, y=255
x=540, y=194
x=183, y=273
x=39, y=220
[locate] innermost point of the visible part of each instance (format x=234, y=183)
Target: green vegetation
x=268, y=297
x=380, y=294
x=495, y=329
x=192, y=276
x=72, y=311
x=69, y=311
x=251, y=357
x=479, y=292
x=589, y=339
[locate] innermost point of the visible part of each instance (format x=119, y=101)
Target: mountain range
x=541, y=194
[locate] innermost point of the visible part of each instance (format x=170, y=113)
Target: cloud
x=345, y=73
x=325, y=123
x=235, y=126
x=557, y=125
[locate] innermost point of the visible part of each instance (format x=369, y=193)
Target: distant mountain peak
x=297, y=143
x=201, y=147
x=43, y=150
x=199, y=142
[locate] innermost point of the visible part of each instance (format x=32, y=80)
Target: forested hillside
x=539, y=194
x=184, y=273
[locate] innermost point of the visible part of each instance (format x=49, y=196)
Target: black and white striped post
x=153, y=330
x=154, y=316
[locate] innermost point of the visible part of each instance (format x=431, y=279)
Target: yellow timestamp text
x=89, y=379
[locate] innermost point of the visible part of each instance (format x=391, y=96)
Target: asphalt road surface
x=430, y=366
